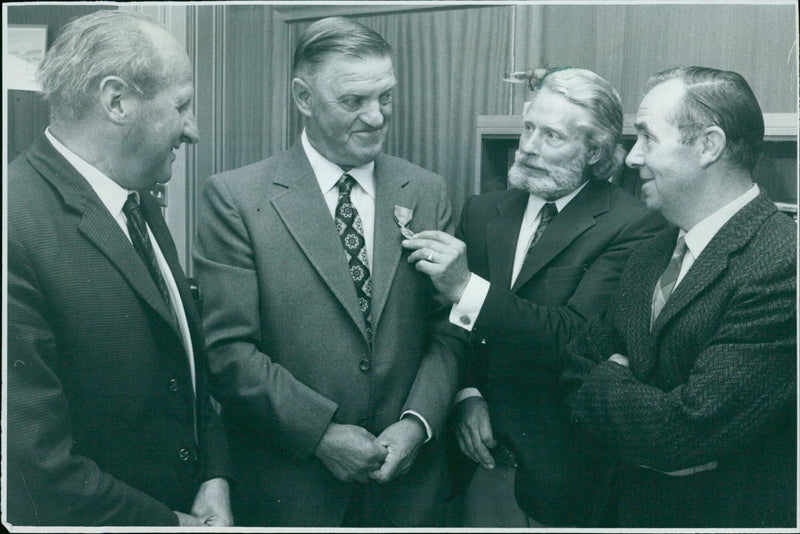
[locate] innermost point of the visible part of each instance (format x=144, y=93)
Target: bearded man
x=527, y=268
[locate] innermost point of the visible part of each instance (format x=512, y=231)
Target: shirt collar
x=698, y=237
x=535, y=202
x=328, y=173
x=112, y=195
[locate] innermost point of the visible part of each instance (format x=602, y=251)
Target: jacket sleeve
x=48, y=485
x=244, y=379
x=511, y=321
x=437, y=379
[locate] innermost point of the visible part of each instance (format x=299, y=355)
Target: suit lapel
x=303, y=210
x=502, y=234
x=714, y=259
x=97, y=224
x=577, y=217
x=387, y=251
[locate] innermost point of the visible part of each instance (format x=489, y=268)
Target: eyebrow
x=640, y=126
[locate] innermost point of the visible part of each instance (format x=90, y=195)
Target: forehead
x=660, y=103
x=342, y=74
x=555, y=111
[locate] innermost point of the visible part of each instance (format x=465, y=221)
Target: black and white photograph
x=401, y=266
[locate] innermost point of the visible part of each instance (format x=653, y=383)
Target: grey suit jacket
x=288, y=347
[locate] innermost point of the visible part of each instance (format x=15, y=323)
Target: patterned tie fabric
x=141, y=242
x=546, y=214
x=351, y=232
x=666, y=283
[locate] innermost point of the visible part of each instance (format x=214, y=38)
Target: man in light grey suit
x=325, y=347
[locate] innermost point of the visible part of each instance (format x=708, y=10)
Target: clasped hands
x=351, y=453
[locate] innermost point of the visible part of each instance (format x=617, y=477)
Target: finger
x=481, y=452
x=466, y=440
x=485, y=432
x=437, y=236
x=428, y=245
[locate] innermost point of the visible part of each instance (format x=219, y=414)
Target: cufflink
x=465, y=319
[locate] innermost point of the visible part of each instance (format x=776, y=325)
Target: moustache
x=529, y=163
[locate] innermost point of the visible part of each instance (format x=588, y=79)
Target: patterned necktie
x=546, y=214
x=351, y=232
x=141, y=242
x=668, y=278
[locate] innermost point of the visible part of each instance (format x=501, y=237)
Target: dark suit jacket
x=288, y=347
x=99, y=392
x=714, y=381
x=521, y=332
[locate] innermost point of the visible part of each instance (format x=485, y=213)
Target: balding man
x=690, y=382
x=109, y=417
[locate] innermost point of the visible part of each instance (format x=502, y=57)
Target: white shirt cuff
x=467, y=393
x=465, y=312
x=428, y=429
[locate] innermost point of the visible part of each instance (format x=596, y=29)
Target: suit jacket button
x=364, y=365
x=184, y=455
x=173, y=385
x=465, y=319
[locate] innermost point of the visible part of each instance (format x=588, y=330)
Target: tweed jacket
x=713, y=383
x=288, y=347
x=101, y=424
x=521, y=332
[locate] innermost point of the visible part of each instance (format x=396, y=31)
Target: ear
x=711, y=145
x=113, y=99
x=593, y=155
x=301, y=94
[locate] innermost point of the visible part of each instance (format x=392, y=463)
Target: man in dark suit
x=535, y=263
x=109, y=416
x=689, y=383
x=334, y=383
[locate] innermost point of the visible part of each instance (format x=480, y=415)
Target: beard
x=549, y=182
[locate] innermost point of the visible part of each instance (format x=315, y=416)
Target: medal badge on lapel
x=402, y=216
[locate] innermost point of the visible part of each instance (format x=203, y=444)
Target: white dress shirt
x=465, y=312
x=701, y=234
x=113, y=197
x=363, y=198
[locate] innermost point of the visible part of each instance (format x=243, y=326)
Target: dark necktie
x=351, y=231
x=141, y=242
x=546, y=215
x=668, y=278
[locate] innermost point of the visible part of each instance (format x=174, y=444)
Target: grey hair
x=598, y=97
x=89, y=48
x=336, y=35
x=720, y=98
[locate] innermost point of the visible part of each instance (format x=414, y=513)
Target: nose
x=635, y=157
x=191, y=133
x=530, y=143
x=373, y=115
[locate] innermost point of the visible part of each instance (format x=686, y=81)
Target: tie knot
x=548, y=211
x=346, y=183
x=131, y=203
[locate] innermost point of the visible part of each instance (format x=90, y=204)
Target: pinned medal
x=402, y=216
